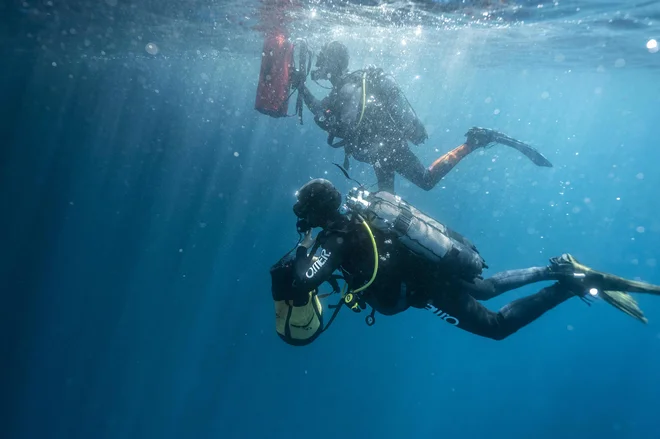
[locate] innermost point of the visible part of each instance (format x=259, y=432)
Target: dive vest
x=330, y=120
x=368, y=109
x=418, y=232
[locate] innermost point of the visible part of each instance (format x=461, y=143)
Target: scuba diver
x=392, y=257
x=367, y=110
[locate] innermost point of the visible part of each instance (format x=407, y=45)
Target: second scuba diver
x=367, y=110
x=392, y=257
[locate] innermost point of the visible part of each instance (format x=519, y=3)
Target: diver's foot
x=479, y=137
x=565, y=264
x=589, y=284
x=571, y=274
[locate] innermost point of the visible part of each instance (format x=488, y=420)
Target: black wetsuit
x=405, y=280
x=379, y=135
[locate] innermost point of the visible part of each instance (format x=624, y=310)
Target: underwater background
x=143, y=200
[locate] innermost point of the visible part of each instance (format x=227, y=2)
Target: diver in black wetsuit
x=370, y=114
x=380, y=271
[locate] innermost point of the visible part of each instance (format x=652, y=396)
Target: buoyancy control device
x=278, y=75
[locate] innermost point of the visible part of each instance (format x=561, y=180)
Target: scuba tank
x=418, y=232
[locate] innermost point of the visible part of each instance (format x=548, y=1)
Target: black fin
x=531, y=153
x=343, y=171
x=346, y=174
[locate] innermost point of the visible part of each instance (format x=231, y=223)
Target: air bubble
x=151, y=48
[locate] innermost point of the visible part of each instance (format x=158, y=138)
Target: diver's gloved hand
x=479, y=137
x=297, y=79
x=281, y=275
x=308, y=240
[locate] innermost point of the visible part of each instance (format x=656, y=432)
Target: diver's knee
x=499, y=334
x=426, y=185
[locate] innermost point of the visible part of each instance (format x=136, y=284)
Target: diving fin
x=531, y=153
x=605, y=281
x=585, y=281
x=486, y=135
x=625, y=303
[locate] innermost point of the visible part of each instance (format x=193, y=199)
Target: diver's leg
x=445, y=163
x=564, y=268
x=464, y=311
x=484, y=289
x=408, y=165
x=384, y=175
x=580, y=279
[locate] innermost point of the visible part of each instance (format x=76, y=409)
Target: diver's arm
x=310, y=271
x=401, y=111
x=316, y=106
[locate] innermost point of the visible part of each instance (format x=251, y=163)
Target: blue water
x=143, y=200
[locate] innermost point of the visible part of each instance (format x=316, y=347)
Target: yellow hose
x=373, y=242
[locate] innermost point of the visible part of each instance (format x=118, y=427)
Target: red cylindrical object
x=274, y=78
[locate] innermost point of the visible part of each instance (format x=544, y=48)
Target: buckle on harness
x=354, y=302
x=357, y=304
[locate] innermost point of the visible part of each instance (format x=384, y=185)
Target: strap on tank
x=403, y=220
